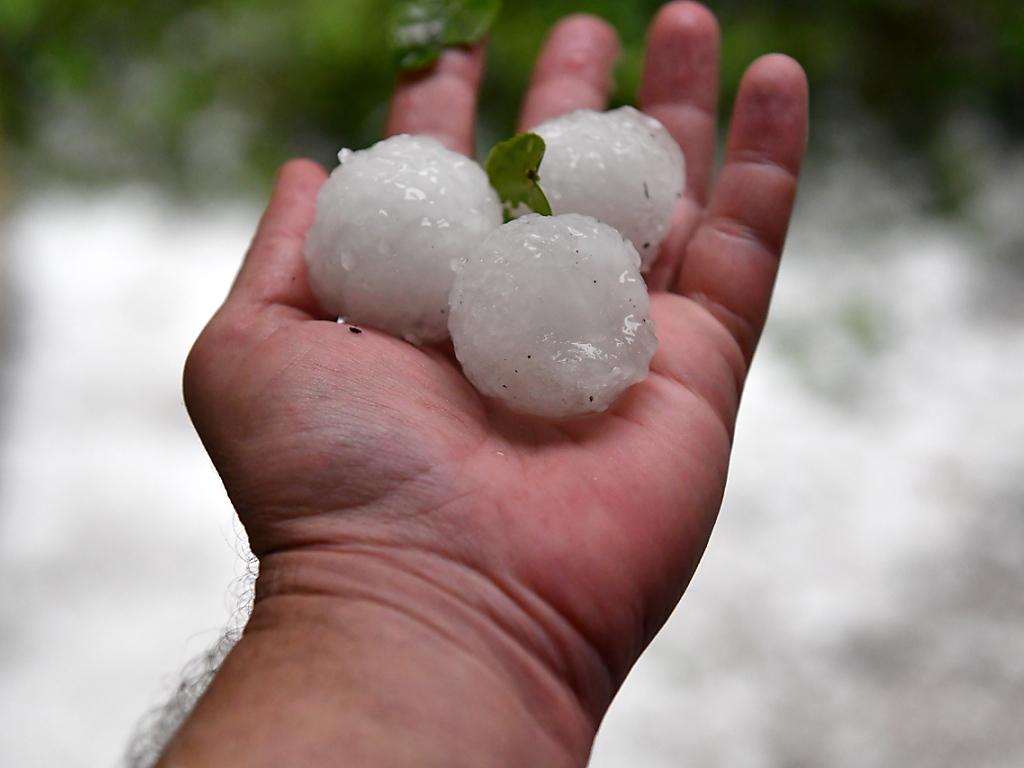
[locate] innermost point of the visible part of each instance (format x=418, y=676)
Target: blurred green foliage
x=214, y=95
x=422, y=29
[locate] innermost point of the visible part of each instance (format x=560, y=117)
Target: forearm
x=369, y=665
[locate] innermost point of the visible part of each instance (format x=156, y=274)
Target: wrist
x=372, y=656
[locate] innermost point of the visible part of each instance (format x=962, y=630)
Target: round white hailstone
x=621, y=167
x=551, y=315
x=391, y=223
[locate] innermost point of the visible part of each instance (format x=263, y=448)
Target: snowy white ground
x=862, y=601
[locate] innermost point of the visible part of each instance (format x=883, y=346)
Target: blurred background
x=862, y=600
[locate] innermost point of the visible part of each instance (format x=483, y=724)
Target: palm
x=599, y=521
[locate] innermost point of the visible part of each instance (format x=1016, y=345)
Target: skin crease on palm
x=367, y=469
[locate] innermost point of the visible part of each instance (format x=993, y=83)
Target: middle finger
x=573, y=71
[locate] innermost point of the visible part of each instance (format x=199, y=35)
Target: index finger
x=440, y=101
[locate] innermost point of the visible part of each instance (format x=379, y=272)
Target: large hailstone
x=550, y=314
x=391, y=223
x=621, y=167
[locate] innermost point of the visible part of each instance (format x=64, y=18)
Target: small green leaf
x=421, y=29
x=513, y=168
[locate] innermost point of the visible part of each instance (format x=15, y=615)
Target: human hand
x=369, y=473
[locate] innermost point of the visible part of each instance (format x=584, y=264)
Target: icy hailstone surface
x=621, y=167
x=551, y=315
x=391, y=223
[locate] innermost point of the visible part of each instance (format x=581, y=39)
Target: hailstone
x=391, y=223
x=621, y=167
x=550, y=315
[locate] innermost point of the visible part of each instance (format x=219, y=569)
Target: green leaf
x=513, y=168
x=421, y=29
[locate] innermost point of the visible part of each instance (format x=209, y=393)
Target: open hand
x=366, y=468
